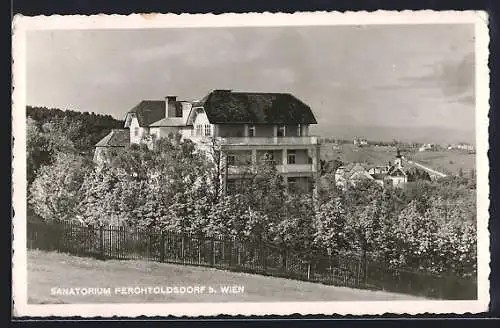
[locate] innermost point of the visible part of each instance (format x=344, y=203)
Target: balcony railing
x=309, y=140
x=294, y=168
x=288, y=168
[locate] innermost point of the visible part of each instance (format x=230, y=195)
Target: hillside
x=82, y=128
x=48, y=270
x=388, y=133
x=349, y=153
x=449, y=162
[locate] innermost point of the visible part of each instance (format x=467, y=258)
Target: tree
x=296, y=229
x=165, y=186
x=330, y=226
x=43, y=144
x=82, y=128
x=265, y=190
x=55, y=194
x=330, y=166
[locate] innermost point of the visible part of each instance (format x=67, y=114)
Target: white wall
x=137, y=132
x=202, y=119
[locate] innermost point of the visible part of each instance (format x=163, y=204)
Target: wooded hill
x=84, y=129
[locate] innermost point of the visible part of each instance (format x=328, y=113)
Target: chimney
x=170, y=106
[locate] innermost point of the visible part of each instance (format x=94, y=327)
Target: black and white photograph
x=311, y=163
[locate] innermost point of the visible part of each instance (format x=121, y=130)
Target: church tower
x=399, y=160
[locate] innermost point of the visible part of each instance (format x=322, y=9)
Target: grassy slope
x=47, y=270
x=448, y=162
x=352, y=154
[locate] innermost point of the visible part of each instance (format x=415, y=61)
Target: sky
x=394, y=79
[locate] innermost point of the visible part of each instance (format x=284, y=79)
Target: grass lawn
x=48, y=270
x=448, y=162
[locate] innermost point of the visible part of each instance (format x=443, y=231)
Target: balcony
x=294, y=168
x=282, y=169
x=264, y=141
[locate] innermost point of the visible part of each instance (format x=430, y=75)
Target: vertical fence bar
x=162, y=247
x=101, y=242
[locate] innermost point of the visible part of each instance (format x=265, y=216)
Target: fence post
x=182, y=247
x=238, y=253
x=212, y=252
x=162, y=246
x=283, y=260
x=101, y=241
x=264, y=257
x=365, y=271
x=308, y=270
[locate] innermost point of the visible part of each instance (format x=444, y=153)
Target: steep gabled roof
x=149, y=111
x=393, y=171
x=115, y=138
x=224, y=106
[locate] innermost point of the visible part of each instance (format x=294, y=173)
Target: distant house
x=392, y=175
x=349, y=175
x=427, y=147
x=112, y=143
x=251, y=127
x=360, y=142
x=463, y=146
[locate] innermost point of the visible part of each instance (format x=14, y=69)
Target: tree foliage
x=84, y=129
x=170, y=184
x=56, y=193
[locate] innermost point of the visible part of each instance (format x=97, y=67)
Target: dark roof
x=149, y=111
x=394, y=169
x=116, y=138
x=224, y=106
x=378, y=176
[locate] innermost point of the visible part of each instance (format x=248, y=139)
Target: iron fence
x=112, y=242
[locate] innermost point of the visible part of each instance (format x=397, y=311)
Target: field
x=448, y=161
x=348, y=153
x=48, y=270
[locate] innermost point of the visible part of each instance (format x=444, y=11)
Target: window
x=251, y=131
x=136, y=132
x=281, y=130
x=199, y=129
x=268, y=157
x=292, y=185
x=291, y=157
x=208, y=130
x=231, y=160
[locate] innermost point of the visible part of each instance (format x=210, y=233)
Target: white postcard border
x=19, y=284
